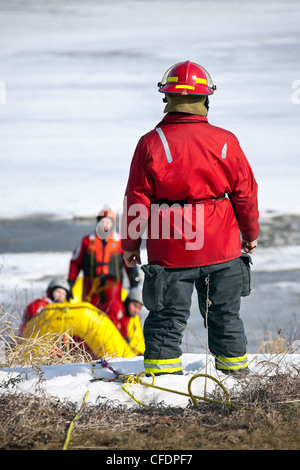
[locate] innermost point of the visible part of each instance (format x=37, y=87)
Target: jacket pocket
x=153, y=287
x=246, y=260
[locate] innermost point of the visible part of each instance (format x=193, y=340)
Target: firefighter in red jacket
x=192, y=187
x=100, y=256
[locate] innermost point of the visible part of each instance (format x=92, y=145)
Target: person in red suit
x=191, y=186
x=100, y=256
x=121, y=312
x=58, y=291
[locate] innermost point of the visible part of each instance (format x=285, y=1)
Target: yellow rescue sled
x=134, y=330
x=85, y=323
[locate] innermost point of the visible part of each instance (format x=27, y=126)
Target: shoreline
x=42, y=232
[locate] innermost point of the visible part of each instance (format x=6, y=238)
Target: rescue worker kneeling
x=200, y=172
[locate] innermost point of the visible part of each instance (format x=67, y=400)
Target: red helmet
x=187, y=78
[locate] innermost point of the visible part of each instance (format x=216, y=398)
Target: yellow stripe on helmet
x=201, y=80
x=186, y=87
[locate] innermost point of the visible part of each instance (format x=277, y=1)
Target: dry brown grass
x=46, y=349
x=36, y=423
x=30, y=422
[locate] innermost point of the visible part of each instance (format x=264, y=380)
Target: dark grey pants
x=167, y=294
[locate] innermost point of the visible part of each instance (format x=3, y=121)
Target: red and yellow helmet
x=187, y=78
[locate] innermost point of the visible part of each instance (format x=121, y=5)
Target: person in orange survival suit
x=100, y=256
x=121, y=312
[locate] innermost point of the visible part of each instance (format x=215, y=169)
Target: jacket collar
x=181, y=118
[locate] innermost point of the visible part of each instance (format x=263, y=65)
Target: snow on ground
x=71, y=382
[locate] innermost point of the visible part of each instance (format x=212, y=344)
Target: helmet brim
x=185, y=90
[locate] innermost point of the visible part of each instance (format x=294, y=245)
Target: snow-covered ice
x=81, y=88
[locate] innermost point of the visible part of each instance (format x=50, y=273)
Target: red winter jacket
x=32, y=310
x=187, y=160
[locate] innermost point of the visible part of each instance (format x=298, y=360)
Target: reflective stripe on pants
x=163, y=366
x=231, y=364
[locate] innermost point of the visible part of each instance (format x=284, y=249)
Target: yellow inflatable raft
x=84, y=322
x=135, y=330
x=87, y=324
